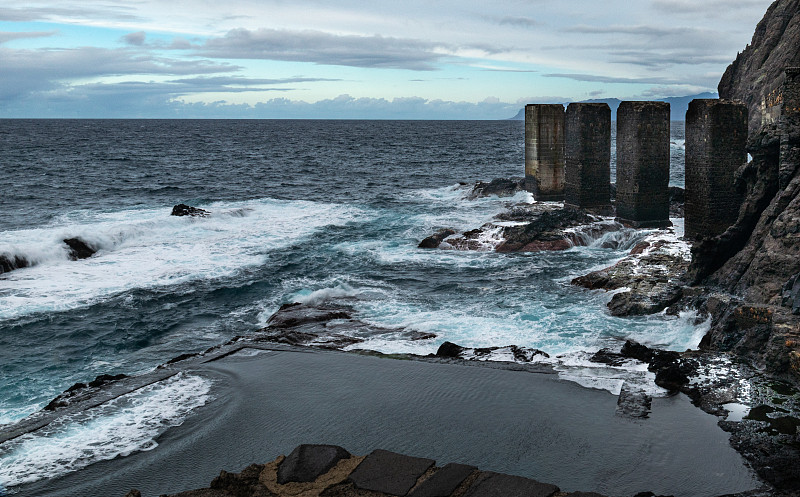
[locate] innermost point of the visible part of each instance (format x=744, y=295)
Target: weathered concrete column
x=643, y=164
x=790, y=125
x=544, y=151
x=716, y=136
x=588, y=157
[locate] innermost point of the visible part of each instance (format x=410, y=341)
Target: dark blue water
x=301, y=210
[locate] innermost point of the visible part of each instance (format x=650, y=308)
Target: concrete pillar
x=643, y=164
x=544, y=151
x=716, y=136
x=790, y=126
x=587, y=173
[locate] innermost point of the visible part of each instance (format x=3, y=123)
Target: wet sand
x=517, y=422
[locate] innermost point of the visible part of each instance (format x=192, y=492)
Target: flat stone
x=490, y=484
x=307, y=462
x=584, y=494
x=389, y=472
x=443, y=482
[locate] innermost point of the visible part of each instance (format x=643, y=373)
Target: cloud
x=26, y=71
x=136, y=39
x=324, y=48
x=6, y=36
x=520, y=22
x=712, y=7
x=593, y=78
x=131, y=100
x=28, y=14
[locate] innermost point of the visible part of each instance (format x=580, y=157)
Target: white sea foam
x=150, y=248
x=128, y=424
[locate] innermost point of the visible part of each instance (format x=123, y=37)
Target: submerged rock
x=633, y=403
x=187, y=210
x=81, y=390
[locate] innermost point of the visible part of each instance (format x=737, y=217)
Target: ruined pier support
x=790, y=126
x=588, y=157
x=544, y=151
x=643, y=164
x=716, y=136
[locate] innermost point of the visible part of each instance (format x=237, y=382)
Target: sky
x=399, y=59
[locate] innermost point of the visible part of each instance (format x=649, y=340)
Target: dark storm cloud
x=6, y=36
x=323, y=48
x=135, y=39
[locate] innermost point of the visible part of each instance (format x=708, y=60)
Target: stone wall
x=716, y=136
x=643, y=164
x=544, y=151
x=588, y=157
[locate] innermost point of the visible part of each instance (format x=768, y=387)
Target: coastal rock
x=79, y=391
x=12, y=262
x=308, y=462
x=449, y=349
x=244, y=484
x=389, y=472
x=633, y=402
x=654, y=274
x=79, y=249
x=329, y=325
x=502, y=187
x=435, y=240
x=187, y=210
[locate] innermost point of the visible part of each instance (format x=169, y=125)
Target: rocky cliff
x=755, y=261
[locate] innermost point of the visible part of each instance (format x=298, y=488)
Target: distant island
x=678, y=105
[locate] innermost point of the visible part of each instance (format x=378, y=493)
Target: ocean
x=300, y=211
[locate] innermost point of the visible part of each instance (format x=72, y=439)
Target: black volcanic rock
x=79, y=249
x=187, y=210
x=307, y=462
x=435, y=240
x=12, y=262
x=502, y=187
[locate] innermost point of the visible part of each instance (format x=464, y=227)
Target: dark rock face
x=449, y=349
x=444, y=482
x=12, y=262
x=502, y=187
x=187, y=210
x=759, y=253
x=757, y=72
x=544, y=231
x=244, y=484
x=308, y=462
x=435, y=240
x=78, y=249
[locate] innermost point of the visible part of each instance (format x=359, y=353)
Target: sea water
x=300, y=211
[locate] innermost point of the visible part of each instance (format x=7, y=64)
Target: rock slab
x=389, y=472
x=307, y=462
x=490, y=484
x=444, y=482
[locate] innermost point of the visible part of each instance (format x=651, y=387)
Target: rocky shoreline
x=331, y=471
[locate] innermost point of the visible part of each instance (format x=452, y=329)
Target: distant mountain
x=677, y=105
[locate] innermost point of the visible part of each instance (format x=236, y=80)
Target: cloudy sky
x=464, y=59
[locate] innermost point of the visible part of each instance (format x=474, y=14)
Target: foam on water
x=150, y=248
x=125, y=425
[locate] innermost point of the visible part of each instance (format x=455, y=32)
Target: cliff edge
x=755, y=264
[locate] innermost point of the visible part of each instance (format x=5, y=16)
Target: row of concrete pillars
x=568, y=155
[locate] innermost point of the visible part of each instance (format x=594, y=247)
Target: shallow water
x=301, y=210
